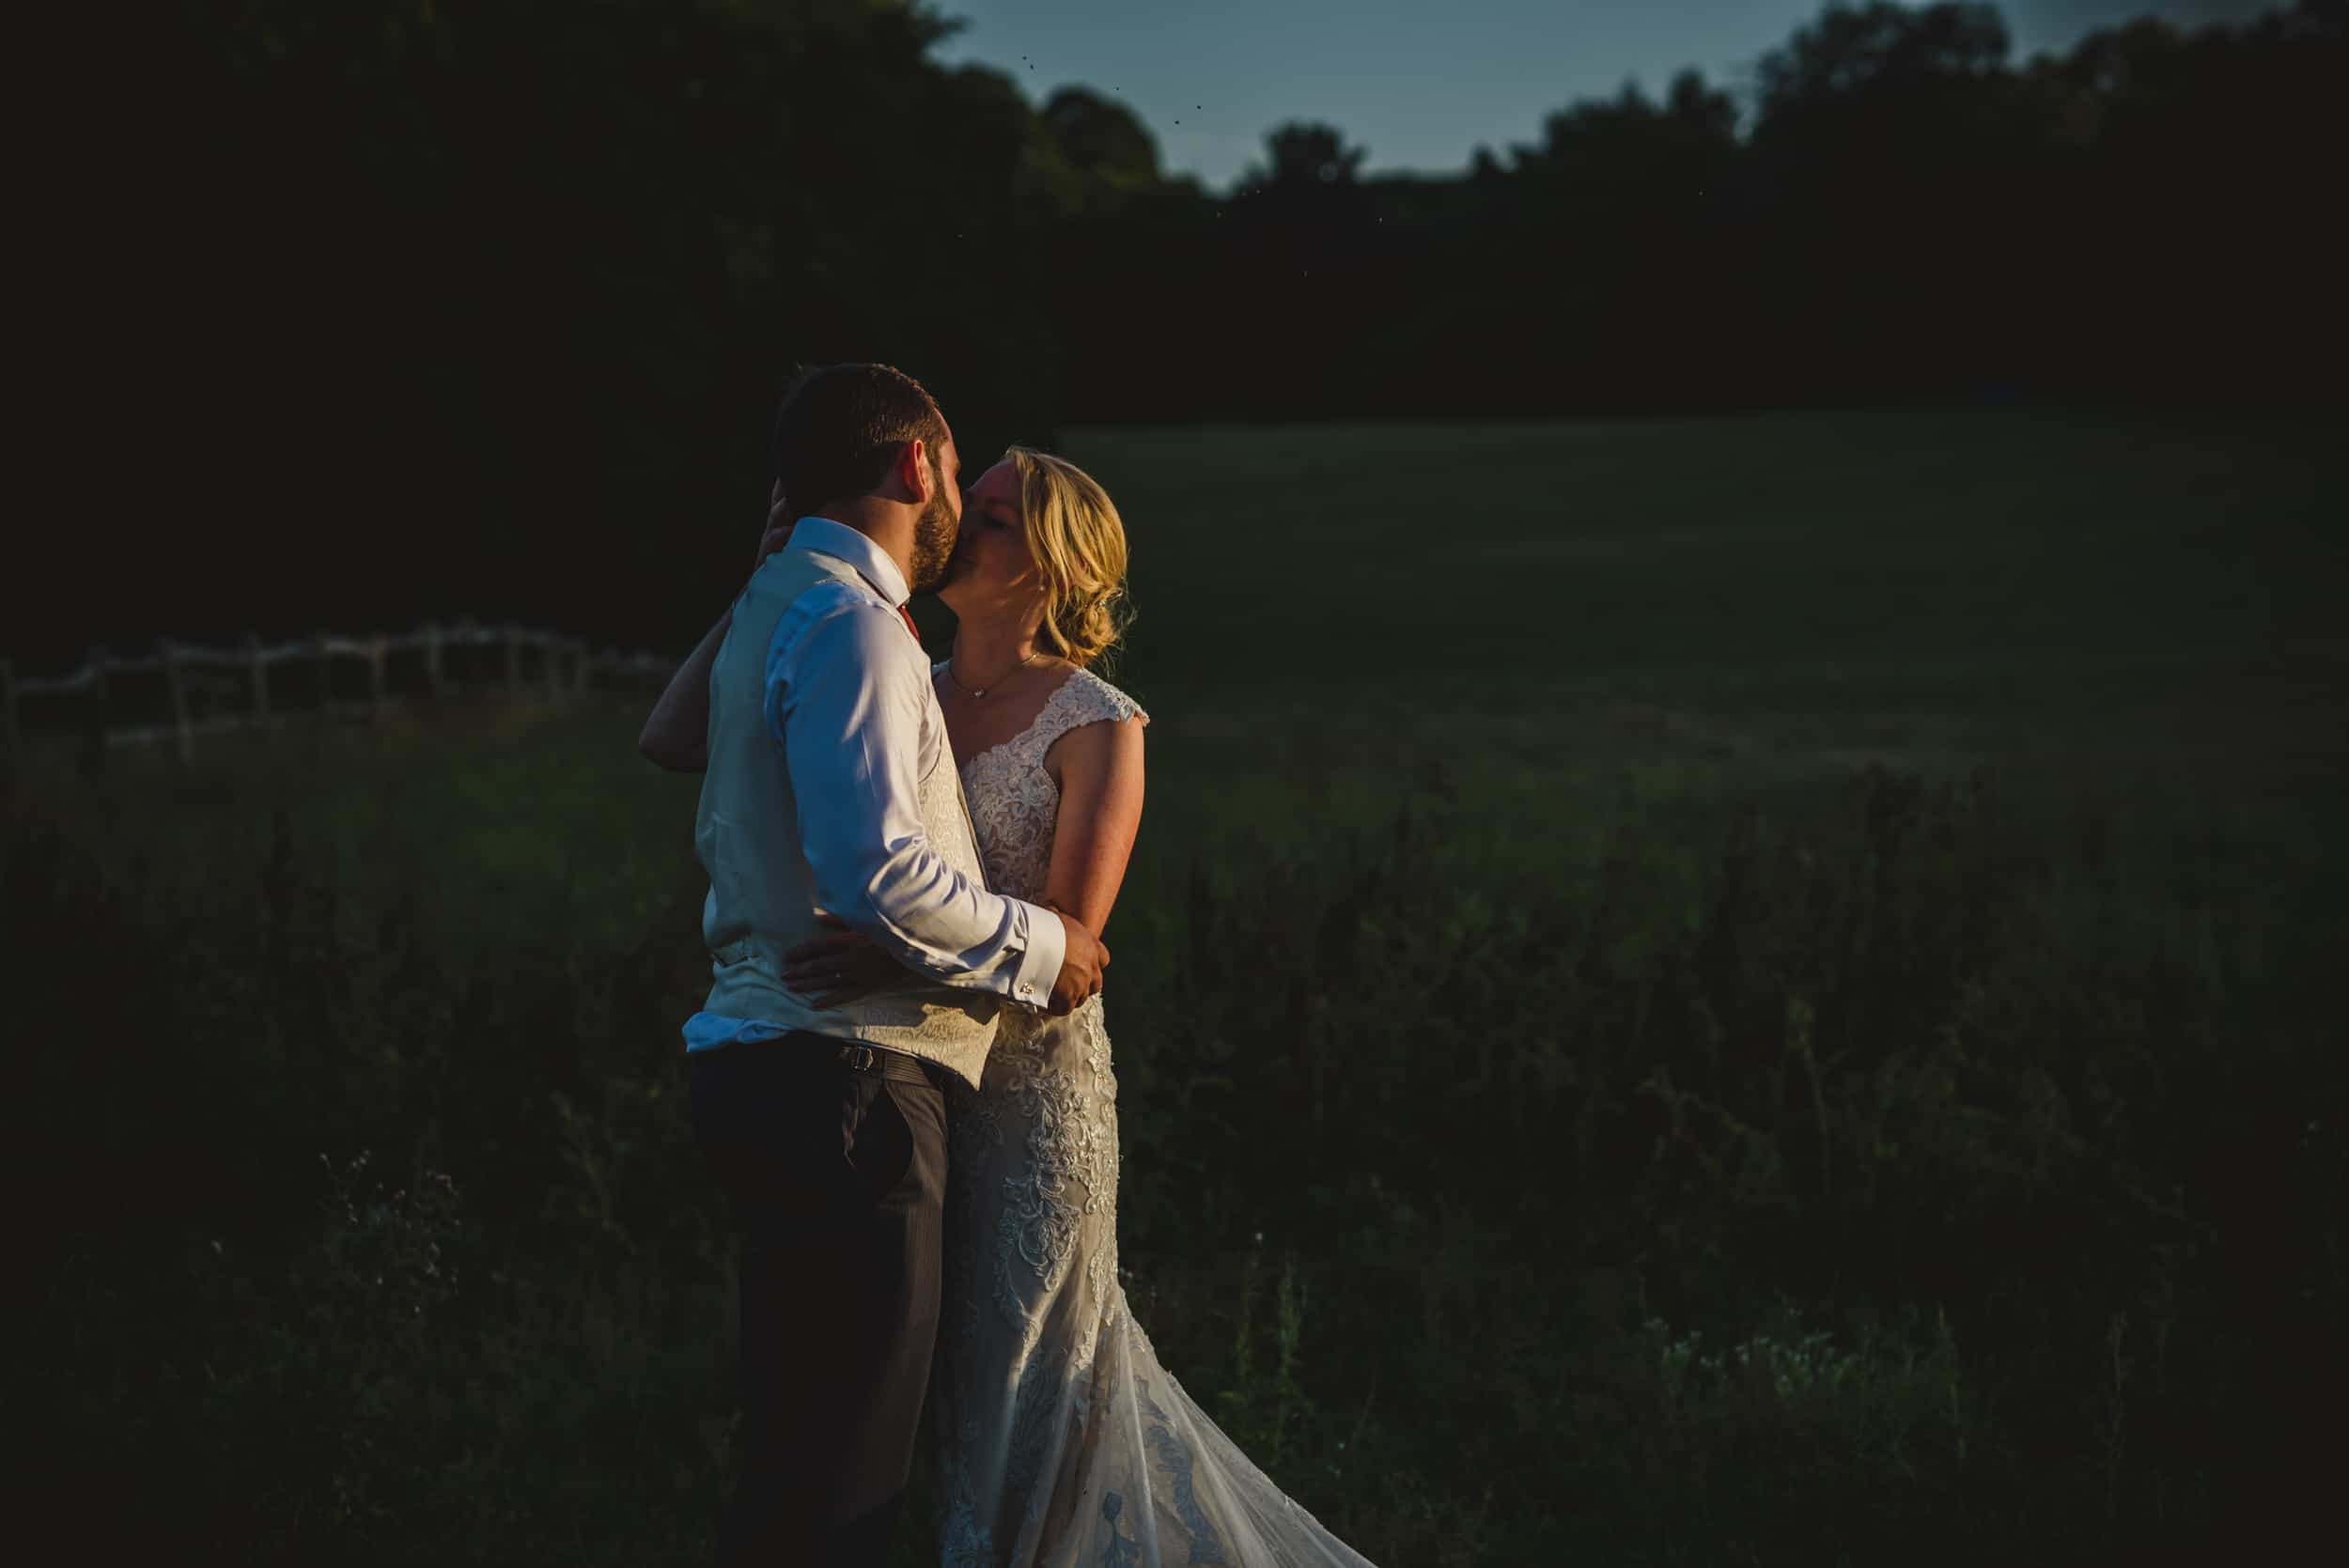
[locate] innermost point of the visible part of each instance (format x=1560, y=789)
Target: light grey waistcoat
x=746, y=833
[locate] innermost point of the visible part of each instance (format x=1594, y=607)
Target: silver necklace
x=1033, y=654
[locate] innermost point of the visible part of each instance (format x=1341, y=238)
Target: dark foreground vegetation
x=1946, y=1192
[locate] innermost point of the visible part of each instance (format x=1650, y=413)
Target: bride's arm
x=1099, y=770
x=676, y=733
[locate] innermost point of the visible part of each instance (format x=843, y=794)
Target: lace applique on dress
x=1066, y=1175
x=1120, y=1550
x=1047, y=1391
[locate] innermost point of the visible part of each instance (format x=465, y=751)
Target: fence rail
x=210, y=691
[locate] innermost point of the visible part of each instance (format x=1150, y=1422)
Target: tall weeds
x=1944, y=1188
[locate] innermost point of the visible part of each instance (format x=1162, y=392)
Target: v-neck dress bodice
x=1014, y=802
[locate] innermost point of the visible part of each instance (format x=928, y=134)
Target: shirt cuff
x=1039, y=966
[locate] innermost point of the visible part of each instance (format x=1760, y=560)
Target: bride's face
x=992, y=573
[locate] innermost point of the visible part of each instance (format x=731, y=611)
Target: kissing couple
x=901, y=1073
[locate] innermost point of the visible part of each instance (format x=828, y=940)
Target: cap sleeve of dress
x=1083, y=698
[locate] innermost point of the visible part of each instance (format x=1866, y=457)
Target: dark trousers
x=836, y=1177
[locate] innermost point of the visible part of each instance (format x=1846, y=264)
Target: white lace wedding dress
x=1061, y=1440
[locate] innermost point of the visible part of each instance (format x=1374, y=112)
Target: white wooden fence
x=204, y=690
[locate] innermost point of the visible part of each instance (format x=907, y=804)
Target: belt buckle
x=858, y=1058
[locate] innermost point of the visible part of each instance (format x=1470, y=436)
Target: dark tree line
x=430, y=308
x=1907, y=214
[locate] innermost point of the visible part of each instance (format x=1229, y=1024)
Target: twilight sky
x=1420, y=84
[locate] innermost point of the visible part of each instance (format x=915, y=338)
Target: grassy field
x=1741, y=991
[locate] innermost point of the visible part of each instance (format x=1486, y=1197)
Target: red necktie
x=908, y=617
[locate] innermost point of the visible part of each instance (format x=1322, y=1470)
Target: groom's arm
x=846, y=689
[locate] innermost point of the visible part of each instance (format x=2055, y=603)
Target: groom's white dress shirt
x=848, y=697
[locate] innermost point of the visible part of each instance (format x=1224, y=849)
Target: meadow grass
x=1742, y=991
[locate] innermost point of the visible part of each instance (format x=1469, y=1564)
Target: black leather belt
x=888, y=1063
x=875, y=1059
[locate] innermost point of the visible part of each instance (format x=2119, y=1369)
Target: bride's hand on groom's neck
x=778, y=525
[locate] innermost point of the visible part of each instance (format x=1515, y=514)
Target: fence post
x=175, y=689
x=579, y=668
x=257, y=672
x=432, y=659
x=326, y=675
x=94, y=714
x=550, y=650
x=513, y=657
x=469, y=636
x=11, y=737
x=375, y=680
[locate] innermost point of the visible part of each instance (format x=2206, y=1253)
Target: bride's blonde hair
x=1078, y=543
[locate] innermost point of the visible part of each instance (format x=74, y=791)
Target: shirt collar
x=824, y=536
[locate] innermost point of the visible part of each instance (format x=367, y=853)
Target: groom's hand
x=1081, y=964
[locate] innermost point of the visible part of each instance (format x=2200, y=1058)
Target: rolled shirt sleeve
x=846, y=691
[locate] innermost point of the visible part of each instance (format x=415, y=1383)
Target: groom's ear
x=914, y=471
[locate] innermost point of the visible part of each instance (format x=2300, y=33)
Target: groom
x=830, y=787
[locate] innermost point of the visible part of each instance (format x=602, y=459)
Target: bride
x=1060, y=1438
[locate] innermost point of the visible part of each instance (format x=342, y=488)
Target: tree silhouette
x=1103, y=138
x=1879, y=49
x=1302, y=155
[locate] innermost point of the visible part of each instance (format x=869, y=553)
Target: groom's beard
x=934, y=534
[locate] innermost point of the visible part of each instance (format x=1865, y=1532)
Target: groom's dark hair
x=841, y=426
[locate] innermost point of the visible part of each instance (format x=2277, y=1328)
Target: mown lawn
x=1746, y=990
